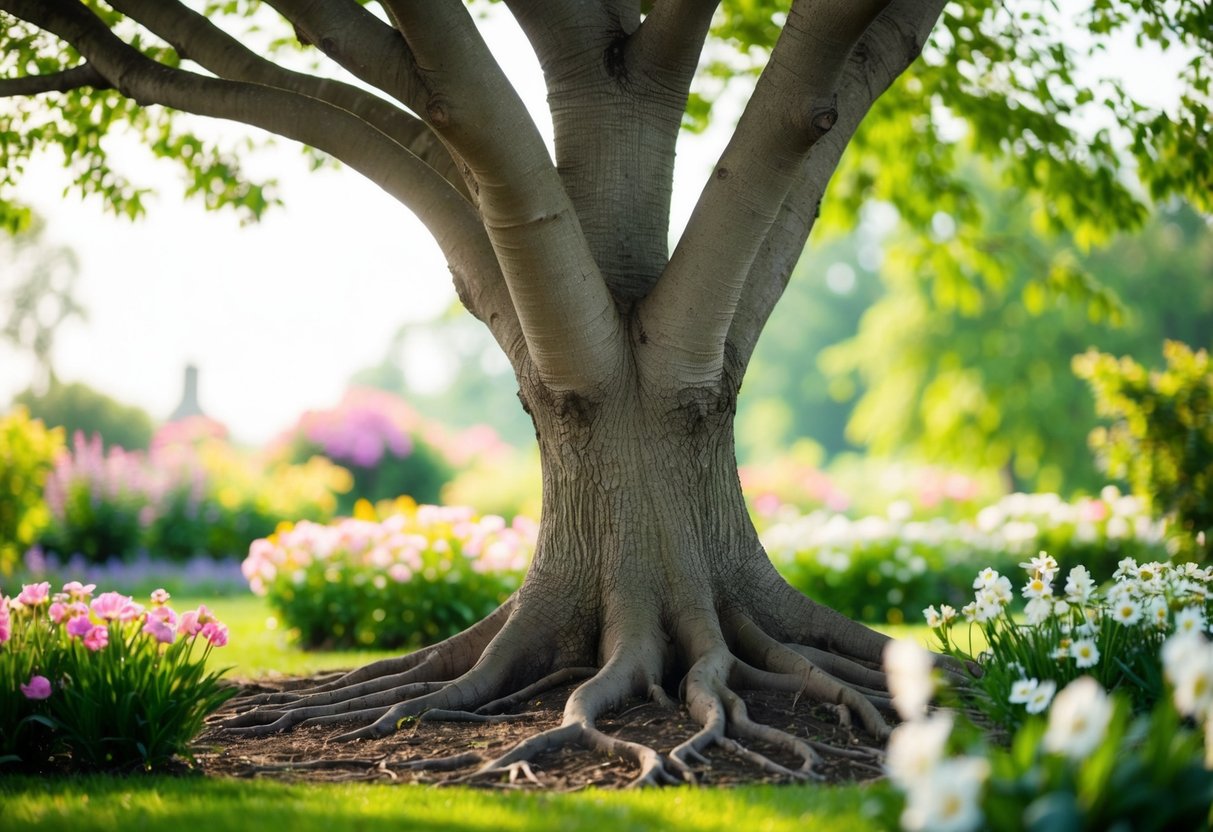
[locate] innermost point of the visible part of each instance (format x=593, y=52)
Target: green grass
x=105, y=803
x=215, y=804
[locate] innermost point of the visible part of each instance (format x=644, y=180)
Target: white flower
x=1021, y=691
x=1037, y=588
x=985, y=578
x=1062, y=651
x=947, y=613
x=969, y=611
x=950, y=799
x=1126, y=567
x=916, y=747
x=987, y=610
x=1157, y=612
x=1079, y=585
x=1190, y=620
x=1187, y=660
x=1038, y=611
x=1042, y=566
x=934, y=619
x=1085, y=652
x=1001, y=589
x=908, y=667
x=1078, y=719
x=1061, y=609
x=1042, y=695
x=1126, y=611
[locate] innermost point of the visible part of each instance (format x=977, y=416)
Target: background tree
x=78, y=407
x=628, y=356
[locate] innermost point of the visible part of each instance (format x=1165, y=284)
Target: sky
x=277, y=315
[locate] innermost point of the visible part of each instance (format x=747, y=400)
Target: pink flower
x=215, y=633
x=34, y=594
x=97, y=638
x=75, y=589
x=58, y=611
x=161, y=625
x=111, y=605
x=6, y=624
x=192, y=621
x=160, y=597
x=39, y=687
x=79, y=626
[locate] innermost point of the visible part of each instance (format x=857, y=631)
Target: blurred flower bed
x=396, y=575
x=885, y=568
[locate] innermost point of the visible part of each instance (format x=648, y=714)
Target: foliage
x=37, y=289
x=1161, y=439
x=407, y=575
x=186, y=497
x=383, y=443
x=980, y=375
x=102, y=682
x=885, y=568
x=27, y=453
x=78, y=408
x=506, y=481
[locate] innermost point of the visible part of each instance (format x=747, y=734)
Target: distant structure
x=189, y=397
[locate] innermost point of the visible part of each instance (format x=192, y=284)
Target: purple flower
x=39, y=687
x=161, y=625
x=79, y=626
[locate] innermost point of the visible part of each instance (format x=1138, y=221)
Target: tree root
x=488, y=673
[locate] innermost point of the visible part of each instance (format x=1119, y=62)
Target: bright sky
x=278, y=315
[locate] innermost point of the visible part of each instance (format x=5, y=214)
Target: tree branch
x=199, y=40
x=689, y=312
x=450, y=218
x=65, y=80
x=888, y=47
x=571, y=326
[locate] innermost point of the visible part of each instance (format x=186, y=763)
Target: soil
x=310, y=754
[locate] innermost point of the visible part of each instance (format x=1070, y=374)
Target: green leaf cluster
x=27, y=454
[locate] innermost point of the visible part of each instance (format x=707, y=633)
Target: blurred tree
x=37, y=292
x=78, y=407
x=985, y=380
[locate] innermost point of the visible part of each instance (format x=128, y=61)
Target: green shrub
x=1161, y=439
x=77, y=407
x=27, y=454
x=414, y=577
x=102, y=683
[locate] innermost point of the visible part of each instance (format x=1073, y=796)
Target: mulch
x=312, y=755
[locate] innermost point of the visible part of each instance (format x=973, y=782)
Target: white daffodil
x=916, y=748
x=1042, y=566
x=1062, y=651
x=1042, y=695
x=969, y=611
x=1061, y=608
x=950, y=799
x=1036, y=588
x=1126, y=567
x=1078, y=719
x=1187, y=660
x=1126, y=611
x=934, y=619
x=1022, y=690
x=985, y=578
x=1038, y=610
x=1157, y=612
x=1079, y=585
x=1190, y=620
x=1085, y=652
x=908, y=667
x=947, y=613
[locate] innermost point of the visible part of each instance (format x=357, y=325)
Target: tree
x=629, y=358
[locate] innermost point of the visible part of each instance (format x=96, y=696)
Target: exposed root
x=487, y=673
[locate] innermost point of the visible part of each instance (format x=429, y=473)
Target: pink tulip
x=78, y=590
x=58, y=611
x=161, y=625
x=34, y=594
x=6, y=624
x=39, y=687
x=79, y=626
x=112, y=605
x=97, y=638
x=215, y=633
x=160, y=597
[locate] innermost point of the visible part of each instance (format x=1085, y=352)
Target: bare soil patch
x=311, y=754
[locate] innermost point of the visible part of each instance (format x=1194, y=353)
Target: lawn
x=256, y=650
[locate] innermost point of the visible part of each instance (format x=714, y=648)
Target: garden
x=1075, y=689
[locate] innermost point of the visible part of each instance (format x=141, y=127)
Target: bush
x=192, y=495
x=381, y=441
x=888, y=568
x=77, y=407
x=27, y=454
x=1162, y=438
x=102, y=683
x=406, y=576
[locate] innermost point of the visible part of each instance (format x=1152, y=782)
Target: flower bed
x=887, y=568
x=102, y=682
x=407, y=576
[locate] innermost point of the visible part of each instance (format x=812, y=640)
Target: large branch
x=888, y=47
x=450, y=218
x=688, y=315
x=567, y=314
x=198, y=39
x=85, y=75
